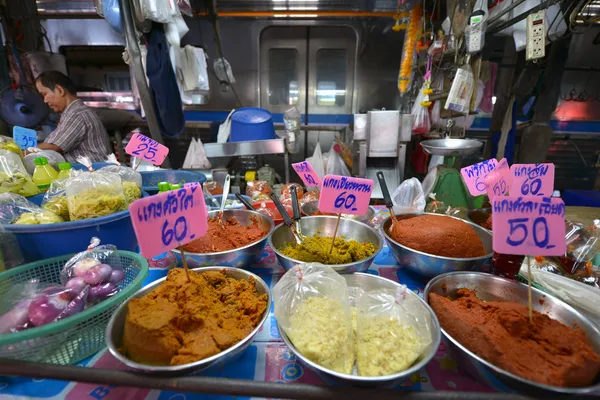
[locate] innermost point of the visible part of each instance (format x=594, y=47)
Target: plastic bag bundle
x=156, y=10
x=131, y=179
x=312, y=308
x=421, y=123
x=14, y=177
x=409, y=197
x=55, y=199
x=16, y=209
x=93, y=194
x=91, y=268
x=582, y=246
x=9, y=144
x=393, y=329
x=336, y=165
x=316, y=161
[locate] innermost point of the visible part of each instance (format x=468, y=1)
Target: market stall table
x=266, y=360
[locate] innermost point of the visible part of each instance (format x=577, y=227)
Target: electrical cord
x=212, y=13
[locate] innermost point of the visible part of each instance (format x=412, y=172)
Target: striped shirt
x=80, y=133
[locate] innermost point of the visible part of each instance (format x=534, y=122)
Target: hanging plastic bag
x=14, y=177
x=459, y=99
x=185, y=7
x=392, y=330
x=92, y=194
x=223, y=71
x=16, y=209
x=312, y=308
x=92, y=268
x=225, y=129
x=292, y=121
x=316, y=161
x=421, y=123
x=156, y=10
x=130, y=178
x=409, y=197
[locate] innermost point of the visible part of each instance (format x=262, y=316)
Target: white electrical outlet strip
x=536, y=36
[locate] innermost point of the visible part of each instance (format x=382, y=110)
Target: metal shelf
x=237, y=149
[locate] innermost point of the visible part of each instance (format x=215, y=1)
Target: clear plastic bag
x=185, y=7
x=10, y=251
x=131, y=179
x=393, y=329
x=409, y=197
x=312, y=308
x=16, y=209
x=292, y=120
x=9, y=144
x=258, y=190
x=336, y=165
x=436, y=206
x=55, y=199
x=156, y=10
x=18, y=299
x=91, y=268
x=95, y=194
x=316, y=161
x=583, y=244
x=13, y=175
x=459, y=99
x=223, y=71
x=421, y=122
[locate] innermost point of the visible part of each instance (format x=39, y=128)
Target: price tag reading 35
x=529, y=225
x=533, y=179
x=168, y=220
x=143, y=147
x=306, y=172
x=345, y=195
x=24, y=137
x=474, y=176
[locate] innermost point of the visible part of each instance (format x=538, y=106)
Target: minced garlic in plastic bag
x=312, y=308
x=392, y=331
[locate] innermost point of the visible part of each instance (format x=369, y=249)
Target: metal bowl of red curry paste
x=493, y=288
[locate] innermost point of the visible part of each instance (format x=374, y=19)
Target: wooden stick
x=529, y=288
x=335, y=232
x=184, y=261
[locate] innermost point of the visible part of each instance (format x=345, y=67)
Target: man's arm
x=50, y=146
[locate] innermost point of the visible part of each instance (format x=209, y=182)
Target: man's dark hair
x=51, y=79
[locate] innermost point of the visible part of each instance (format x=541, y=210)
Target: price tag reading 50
x=168, y=220
x=345, y=195
x=306, y=172
x=529, y=226
x=143, y=147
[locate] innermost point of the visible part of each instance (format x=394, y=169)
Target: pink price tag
x=499, y=181
x=474, y=176
x=533, y=179
x=143, y=147
x=168, y=220
x=529, y=226
x=306, y=172
x=345, y=195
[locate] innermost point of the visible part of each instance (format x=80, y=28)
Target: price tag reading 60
x=529, y=225
x=168, y=220
x=306, y=172
x=345, y=195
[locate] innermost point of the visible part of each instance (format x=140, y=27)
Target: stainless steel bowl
x=116, y=325
x=479, y=215
x=239, y=257
x=325, y=226
x=430, y=265
x=451, y=147
x=372, y=282
x=493, y=288
x=313, y=206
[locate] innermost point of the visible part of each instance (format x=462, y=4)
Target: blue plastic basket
x=251, y=124
x=38, y=242
x=150, y=179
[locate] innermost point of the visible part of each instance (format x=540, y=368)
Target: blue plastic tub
x=251, y=124
x=581, y=198
x=38, y=242
x=150, y=179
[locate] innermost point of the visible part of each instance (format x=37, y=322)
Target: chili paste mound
x=543, y=351
x=183, y=321
x=232, y=235
x=438, y=235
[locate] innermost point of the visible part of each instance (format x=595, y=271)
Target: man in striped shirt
x=79, y=132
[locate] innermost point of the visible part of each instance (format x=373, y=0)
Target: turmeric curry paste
x=232, y=235
x=500, y=332
x=183, y=321
x=316, y=249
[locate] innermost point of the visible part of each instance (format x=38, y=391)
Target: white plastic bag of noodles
x=576, y=294
x=409, y=197
x=392, y=330
x=225, y=129
x=312, y=308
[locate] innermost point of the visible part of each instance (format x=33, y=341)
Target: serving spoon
x=224, y=199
